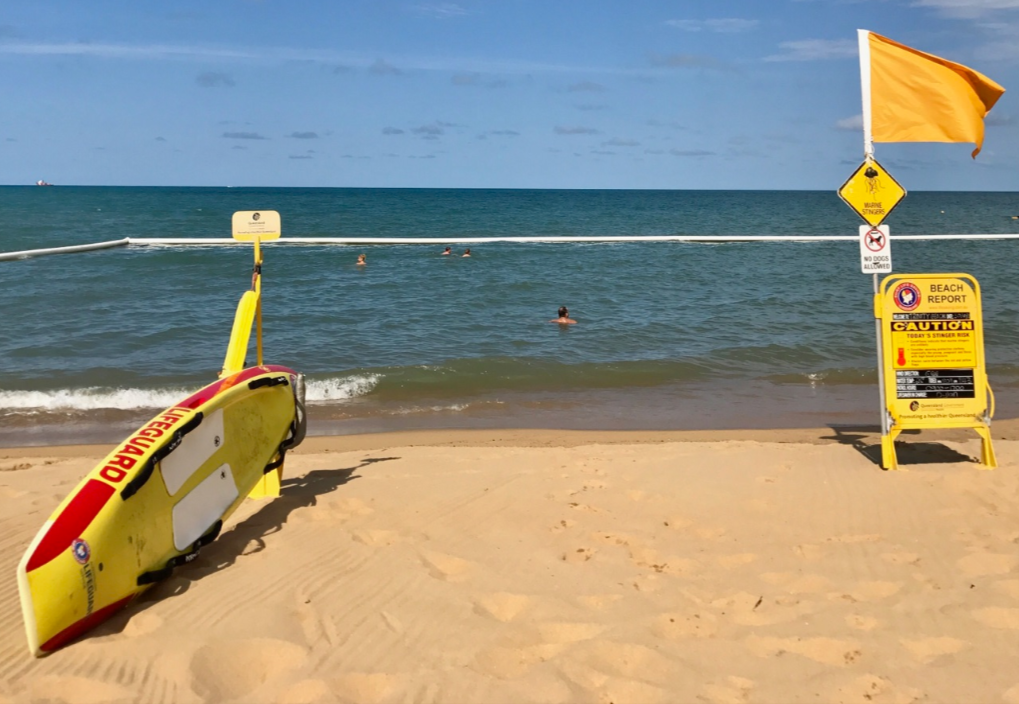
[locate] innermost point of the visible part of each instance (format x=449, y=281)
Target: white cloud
x=968, y=8
x=729, y=25
x=850, y=124
x=816, y=49
x=442, y=10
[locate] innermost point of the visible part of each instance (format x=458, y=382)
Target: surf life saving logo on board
x=907, y=296
x=81, y=551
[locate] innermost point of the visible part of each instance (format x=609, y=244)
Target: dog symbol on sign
x=875, y=240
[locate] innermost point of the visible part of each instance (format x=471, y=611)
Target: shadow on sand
x=295, y=493
x=866, y=439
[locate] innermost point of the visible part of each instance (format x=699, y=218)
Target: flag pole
x=868, y=152
x=863, y=36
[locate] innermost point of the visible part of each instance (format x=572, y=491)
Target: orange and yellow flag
x=919, y=97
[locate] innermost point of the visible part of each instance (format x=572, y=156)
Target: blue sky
x=760, y=94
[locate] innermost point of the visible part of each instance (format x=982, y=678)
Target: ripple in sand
x=77, y=690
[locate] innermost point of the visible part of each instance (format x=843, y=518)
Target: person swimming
x=467, y=252
x=446, y=252
x=564, y=317
x=362, y=259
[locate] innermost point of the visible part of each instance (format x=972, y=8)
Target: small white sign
x=249, y=224
x=875, y=250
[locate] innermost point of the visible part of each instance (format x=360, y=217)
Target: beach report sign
x=933, y=356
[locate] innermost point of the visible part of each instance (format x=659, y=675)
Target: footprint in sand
x=794, y=583
x=829, y=651
x=735, y=690
x=562, y=525
x=363, y=687
x=446, y=567
x=598, y=602
x=926, y=650
x=515, y=653
x=871, y=689
x=578, y=556
x=998, y=617
x=375, y=538
x=307, y=692
x=677, y=626
x=231, y=669
x=862, y=623
x=982, y=564
x=502, y=606
x=728, y=562
x=142, y=624
x=868, y=591
x=901, y=558
x=757, y=610
x=1009, y=587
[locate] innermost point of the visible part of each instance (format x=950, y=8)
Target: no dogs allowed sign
x=875, y=250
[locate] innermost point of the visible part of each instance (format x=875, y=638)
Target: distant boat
x=42, y=183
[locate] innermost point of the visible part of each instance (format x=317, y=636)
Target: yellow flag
x=918, y=97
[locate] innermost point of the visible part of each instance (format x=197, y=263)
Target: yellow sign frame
x=864, y=193
x=932, y=358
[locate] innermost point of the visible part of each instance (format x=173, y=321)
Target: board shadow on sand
x=295, y=493
x=866, y=439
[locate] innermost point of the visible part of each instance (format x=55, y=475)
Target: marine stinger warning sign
x=872, y=192
x=249, y=224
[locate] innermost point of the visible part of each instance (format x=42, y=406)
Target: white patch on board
x=196, y=447
x=203, y=506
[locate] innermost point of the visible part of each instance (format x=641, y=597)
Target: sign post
x=255, y=226
x=932, y=358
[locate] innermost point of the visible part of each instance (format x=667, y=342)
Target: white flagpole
x=868, y=151
x=868, y=140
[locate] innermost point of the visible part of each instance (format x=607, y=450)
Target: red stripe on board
x=90, y=621
x=209, y=392
x=71, y=522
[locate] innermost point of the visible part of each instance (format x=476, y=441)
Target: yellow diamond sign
x=872, y=192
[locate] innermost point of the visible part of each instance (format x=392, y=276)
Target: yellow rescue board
x=154, y=501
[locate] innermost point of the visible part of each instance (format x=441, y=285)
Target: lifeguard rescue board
x=154, y=501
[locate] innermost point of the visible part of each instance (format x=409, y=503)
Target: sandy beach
x=551, y=566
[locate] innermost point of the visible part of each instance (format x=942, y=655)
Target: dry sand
x=541, y=566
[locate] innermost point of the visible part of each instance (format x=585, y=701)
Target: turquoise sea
x=670, y=335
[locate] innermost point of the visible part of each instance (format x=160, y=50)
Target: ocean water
x=670, y=335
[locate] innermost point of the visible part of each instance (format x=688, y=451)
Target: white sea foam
x=92, y=398
x=95, y=398
x=340, y=388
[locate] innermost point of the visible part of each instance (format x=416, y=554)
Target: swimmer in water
x=467, y=252
x=362, y=259
x=446, y=252
x=564, y=317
